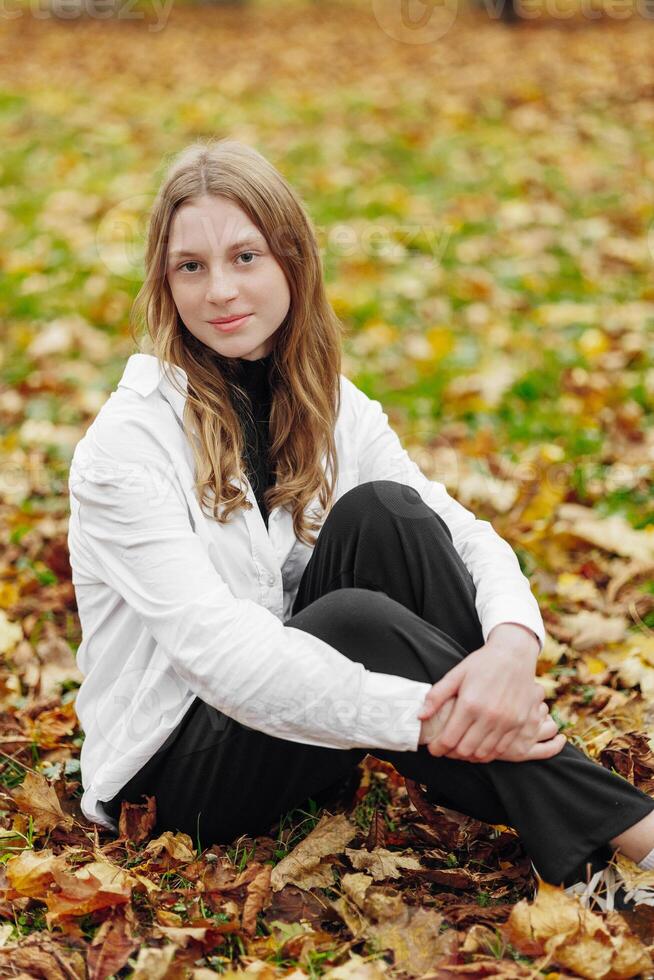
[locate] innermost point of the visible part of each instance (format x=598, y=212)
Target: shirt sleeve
x=235, y=654
x=503, y=592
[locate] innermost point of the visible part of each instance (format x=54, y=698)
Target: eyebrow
x=254, y=239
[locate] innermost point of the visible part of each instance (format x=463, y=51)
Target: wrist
x=514, y=637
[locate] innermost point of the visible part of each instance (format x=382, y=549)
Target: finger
x=432, y=727
x=548, y=729
x=454, y=730
x=474, y=738
x=439, y=693
x=537, y=717
x=506, y=742
x=539, y=692
x=532, y=726
x=545, y=750
x=494, y=746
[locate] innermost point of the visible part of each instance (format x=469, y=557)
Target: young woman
x=269, y=587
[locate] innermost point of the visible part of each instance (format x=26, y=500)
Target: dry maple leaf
x=258, y=898
x=137, y=820
x=31, y=873
x=629, y=753
x=175, y=847
x=49, y=728
x=381, y=863
x=613, y=533
x=304, y=866
x=412, y=934
x=558, y=925
x=415, y=939
x=110, y=948
x=587, y=629
x=37, y=797
x=96, y=885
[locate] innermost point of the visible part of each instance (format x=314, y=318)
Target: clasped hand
x=490, y=707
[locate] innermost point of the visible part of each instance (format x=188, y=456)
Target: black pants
x=386, y=587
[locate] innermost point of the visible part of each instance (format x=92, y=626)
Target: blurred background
x=481, y=179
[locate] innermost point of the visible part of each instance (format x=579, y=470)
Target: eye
x=193, y=262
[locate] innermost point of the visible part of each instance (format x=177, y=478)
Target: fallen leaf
x=305, y=866
x=381, y=863
x=556, y=924
x=36, y=796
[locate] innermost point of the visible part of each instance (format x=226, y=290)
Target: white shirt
x=173, y=604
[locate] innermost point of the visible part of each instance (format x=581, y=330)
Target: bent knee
x=348, y=617
x=387, y=500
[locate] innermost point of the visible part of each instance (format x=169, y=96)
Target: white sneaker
x=607, y=890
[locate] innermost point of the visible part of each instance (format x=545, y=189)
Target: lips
x=231, y=319
x=229, y=326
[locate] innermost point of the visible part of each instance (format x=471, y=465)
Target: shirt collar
x=145, y=372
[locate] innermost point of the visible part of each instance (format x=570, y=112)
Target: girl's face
x=219, y=267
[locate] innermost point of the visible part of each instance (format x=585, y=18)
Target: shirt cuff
x=388, y=712
x=506, y=613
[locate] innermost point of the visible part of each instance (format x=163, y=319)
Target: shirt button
x=271, y=580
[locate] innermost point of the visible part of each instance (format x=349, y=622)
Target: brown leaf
x=587, y=629
x=452, y=827
x=414, y=938
x=453, y=877
x=110, y=948
x=613, y=533
x=57, y=662
x=356, y=886
x=630, y=755
x=44, y=958
x=36, y=797
x=49, y=727
x=170, y=848
x=154, y=963
x=96, y=885
x=32, y=872
x=377, y=831
x=137, y=820
x=258, y=897
x=293, y=904
x=557, y=924
x=381, y=863
x=304, y=866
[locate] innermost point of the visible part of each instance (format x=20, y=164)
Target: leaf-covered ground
x=483, y=204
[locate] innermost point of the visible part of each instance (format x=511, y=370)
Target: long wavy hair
x=306, y=359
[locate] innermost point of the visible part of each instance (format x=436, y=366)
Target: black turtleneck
x=254, y=377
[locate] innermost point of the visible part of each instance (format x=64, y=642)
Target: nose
x=222, y=287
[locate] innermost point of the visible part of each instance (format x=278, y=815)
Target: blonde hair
x=306, y=360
